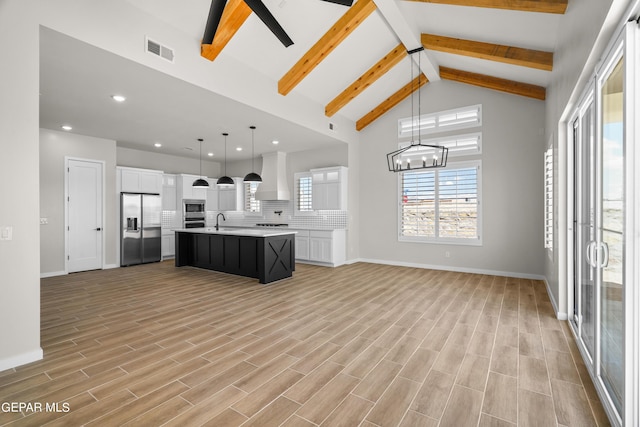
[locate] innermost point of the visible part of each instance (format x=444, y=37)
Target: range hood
x=274, y=177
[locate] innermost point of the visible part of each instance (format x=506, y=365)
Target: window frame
x=477, y=241
x=407, y=128
x=296, y=195
x=247, y=200
x=548, y=199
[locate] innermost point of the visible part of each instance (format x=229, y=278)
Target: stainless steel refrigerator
x=141, y=234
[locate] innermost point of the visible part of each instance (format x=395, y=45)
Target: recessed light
x=210, y=154
x=157, y=144
x=118, y=98
x=275, y=142
x=66, y=127
x=239, y=149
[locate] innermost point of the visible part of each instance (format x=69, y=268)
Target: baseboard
x=21, y=359
x=455, y=269
x=110, y=266
x=52, y=274
x=561, y=315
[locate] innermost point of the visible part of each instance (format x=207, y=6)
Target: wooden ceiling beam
x=542, y=6
x=493, y=52
x=490, y=82
x=327, y=43
x=367, y=79
x=392, y=101
x=233, y=16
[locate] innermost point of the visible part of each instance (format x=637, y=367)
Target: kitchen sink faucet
x=217, y=218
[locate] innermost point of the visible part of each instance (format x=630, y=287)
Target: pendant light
x=225, y=181
x=252, y=176
x=200, y=182
x=416, y=154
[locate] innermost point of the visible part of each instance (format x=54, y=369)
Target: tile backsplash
x=321, y=220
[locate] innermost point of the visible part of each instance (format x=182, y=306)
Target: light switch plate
x=44, y=221
x=6, y=233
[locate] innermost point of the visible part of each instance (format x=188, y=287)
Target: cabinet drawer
x=323, y=234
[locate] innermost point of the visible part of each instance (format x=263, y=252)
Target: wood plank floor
x=359, y=345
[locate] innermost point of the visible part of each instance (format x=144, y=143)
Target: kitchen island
x=267, y=255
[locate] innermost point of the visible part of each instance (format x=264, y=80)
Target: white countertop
x=249, y=232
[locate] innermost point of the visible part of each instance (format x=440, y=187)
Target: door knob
x=98, y=229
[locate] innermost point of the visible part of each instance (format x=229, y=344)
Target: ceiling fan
x=258, y=7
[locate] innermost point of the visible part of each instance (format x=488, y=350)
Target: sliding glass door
x=584, y=224
x=605, y=236
x=609, y=255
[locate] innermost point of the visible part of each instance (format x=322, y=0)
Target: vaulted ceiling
x=353, y=61
x=346, y=54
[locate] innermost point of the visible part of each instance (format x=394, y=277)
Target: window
x=441, y=205
x=459, y=118
x=303, y=193
x=458, y=145
x=251, y=204
x=548, y=199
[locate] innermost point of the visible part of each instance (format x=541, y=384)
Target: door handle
x=98, y=229
x=605, y=254
x=589, y=254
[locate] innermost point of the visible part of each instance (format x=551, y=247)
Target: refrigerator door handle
x=132, y=224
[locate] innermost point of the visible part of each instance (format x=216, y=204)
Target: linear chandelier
x=416, y=155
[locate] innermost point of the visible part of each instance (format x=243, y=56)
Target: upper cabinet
x=232, y=198
x=169, y=192
x=186, y=190
x=212, y=195
x=133, y=180
x=329, y=188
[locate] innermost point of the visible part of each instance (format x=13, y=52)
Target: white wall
x=584, y=32
x=512, y=205
x=166, y=163
x=19, y=257
x=93, y=23
x=54, y=147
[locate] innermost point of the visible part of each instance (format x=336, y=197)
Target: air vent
x=158, y=49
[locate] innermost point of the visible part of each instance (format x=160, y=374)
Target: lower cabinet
x=230, y=254
x=327, y=247
x=302, y=245
x=168, y=245
x=321, y=246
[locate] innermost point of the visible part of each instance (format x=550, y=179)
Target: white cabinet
x=212, y=203
x=329, y=186
x=325, y=247
x=169, y=193
x=302, y=244
x=186, y=190
x=231, y=198
x=133, y=180
x=320, y=246
x=168, y=245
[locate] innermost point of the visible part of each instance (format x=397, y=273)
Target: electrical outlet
x=6, y=233
x=44, y=221
x=447, y=254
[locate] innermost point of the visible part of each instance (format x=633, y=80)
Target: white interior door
x=84, y=214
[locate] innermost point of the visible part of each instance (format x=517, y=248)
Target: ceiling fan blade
x=342, y=2
x=263, y=13
x=215, y=14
